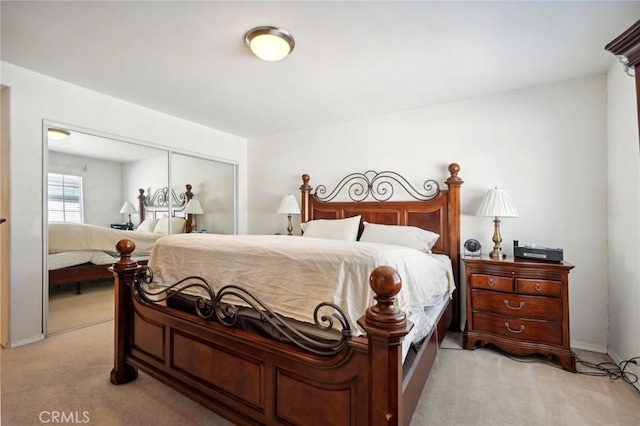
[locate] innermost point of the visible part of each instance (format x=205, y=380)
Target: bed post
x=188, y=195
x=124, y=271
x=305, y=190
x=386, y=326
x=454, y=182
x=141, y=199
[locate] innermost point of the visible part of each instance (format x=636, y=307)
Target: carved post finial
x=454, y=168
x=386, y=284
x=305, y=180
x=125, y=248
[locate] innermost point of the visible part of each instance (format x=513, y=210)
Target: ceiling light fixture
x=57, y=133
x=269, y=43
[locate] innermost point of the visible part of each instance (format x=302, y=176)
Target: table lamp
x=497, y=204
x=289, y=206
x=192, y=209
x=129, y=208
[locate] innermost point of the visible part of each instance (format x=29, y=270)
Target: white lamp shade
x=193, y=207
x=497, y=204
x=289, y=205
x=128, y=208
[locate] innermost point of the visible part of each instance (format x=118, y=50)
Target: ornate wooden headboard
x=431, y=208
x=164, y=202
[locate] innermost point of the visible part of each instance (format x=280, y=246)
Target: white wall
x=213, y=184
x=150, y=174
x=34, y=98
x=546, y=146
x=624, y=217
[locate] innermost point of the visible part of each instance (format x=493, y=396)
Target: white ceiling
x=103, y=147
x=352, y=59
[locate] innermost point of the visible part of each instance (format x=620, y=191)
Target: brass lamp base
x=496, y=253
x=289, y=226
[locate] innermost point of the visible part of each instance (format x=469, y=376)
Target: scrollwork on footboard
x=228, y=313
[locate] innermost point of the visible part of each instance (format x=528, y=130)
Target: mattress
x=293, y=274
x=67, y=237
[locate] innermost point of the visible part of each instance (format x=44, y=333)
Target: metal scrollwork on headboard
x=378, y=186
x=160, y=198
x=163, y=201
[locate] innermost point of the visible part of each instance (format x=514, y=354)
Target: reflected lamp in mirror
x=497, y=204
x=193, y=208
x=289, y=206
x=129, y=209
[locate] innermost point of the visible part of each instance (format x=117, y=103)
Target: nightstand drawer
x=540, y=287
x=514, y=305
x=491, y=282
x=520, y=329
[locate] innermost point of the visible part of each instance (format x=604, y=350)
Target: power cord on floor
x=609, y=369
x=612, y=370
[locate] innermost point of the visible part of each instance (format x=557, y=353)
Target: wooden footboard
x=251, y=379
x=81, y=273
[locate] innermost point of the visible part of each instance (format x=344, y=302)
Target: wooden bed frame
x=251, y=379
x=156, y=204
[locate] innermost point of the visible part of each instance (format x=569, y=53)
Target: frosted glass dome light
x=270, y=44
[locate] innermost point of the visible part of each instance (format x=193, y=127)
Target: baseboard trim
x=22, y=342
x=632, y=368
x=589, y=347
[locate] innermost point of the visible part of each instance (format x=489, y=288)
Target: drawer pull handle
x=538, y=287
x=491, y=283
x=506, y=325
x=506, y=303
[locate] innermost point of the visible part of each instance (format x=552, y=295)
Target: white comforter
x=293, y=274
x=64, y=236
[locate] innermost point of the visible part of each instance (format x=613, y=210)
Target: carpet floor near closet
x=68, y=310
x=69, y=372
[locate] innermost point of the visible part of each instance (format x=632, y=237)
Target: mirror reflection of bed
x=79, y=255
x=112, y=172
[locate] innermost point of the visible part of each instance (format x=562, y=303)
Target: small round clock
x=472, y=248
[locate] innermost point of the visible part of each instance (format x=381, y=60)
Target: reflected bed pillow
x=332, y=229
x=408, y=236
x=147, y=225
x=177, y=225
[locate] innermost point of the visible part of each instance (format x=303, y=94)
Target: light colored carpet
x=69, y=372
x=68, y=310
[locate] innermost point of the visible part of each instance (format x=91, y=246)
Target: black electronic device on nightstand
x=533, y=252
x=122, y=226
x=472, y=248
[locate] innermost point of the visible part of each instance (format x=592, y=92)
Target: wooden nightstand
x=520, y=306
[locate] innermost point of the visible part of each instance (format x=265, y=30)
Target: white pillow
x=408, y=236
x=147, y=225
x=332, y=229
x=177, y=225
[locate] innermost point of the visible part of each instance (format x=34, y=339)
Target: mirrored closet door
x=97, y=184
x=92, y=187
